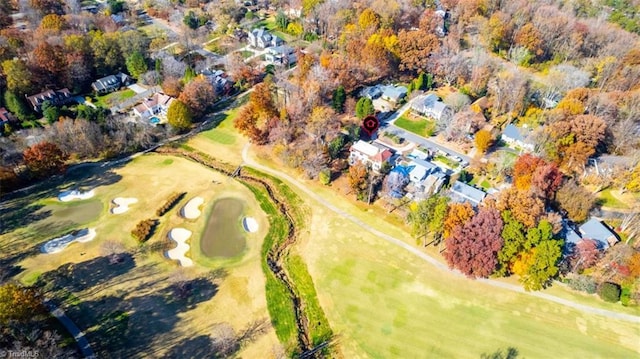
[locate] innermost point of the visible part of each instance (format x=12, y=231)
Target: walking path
x=72, y=328
x=514, y=288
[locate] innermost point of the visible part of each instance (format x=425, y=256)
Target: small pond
x=223, y=235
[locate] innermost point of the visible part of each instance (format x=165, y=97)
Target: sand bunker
x=180, y=236
x=250, y=224
x=190, y=210
x=67, y=196
x=58, y=244
x=122, y=204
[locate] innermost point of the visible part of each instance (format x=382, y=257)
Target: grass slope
x=420, y=126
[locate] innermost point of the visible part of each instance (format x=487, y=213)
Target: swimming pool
x=154, y=120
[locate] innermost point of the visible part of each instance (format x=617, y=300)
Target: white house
x=431, y=106
x=262, y=39
x=158, y=104
x=369, y=155
x=281, y=55
x=514, y=136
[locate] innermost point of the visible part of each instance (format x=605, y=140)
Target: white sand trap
x=250, y=224
x=122, y=204
x=180, y=236
x=67, y=196
x=190, y=210
x=58, y=244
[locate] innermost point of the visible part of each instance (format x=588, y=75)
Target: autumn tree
x=473, y=247
x=53, y=22
x=415, y=48
x=254, y=118
x=44, y=158
x=49, y=60
x=45, y=7
x=524, y=205
x=483, y=140
x=523, y=170
x=358, y=177
x=199, y=95
x=457, y=215
x=586, y=254
x=18, y=76
x=572, y=141
x=546, y=180
x=106, y=52
x=18, y=303
x=575, y=200
x=179, y=116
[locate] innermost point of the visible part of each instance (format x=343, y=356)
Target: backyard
x=418, y=125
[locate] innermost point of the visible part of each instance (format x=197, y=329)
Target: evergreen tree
x=364, y=107
x=339, y=97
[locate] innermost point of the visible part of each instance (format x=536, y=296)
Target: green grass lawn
x=447, y=161
x=422, y=127
x=607, y=199
x=386, y=303
x=113, y=98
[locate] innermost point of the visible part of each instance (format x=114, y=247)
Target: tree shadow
x=198, y=347
x=19, y=214
x=129, y=325
x=82, y=276
x=509, y=353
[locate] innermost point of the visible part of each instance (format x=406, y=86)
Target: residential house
x=462, y=192
x=434, y=182
x=369, y=155
x=420, y=169
x=219, y=80
x=262, y=39
x=55, y=97
x=156, y=105
x=371, y=92
x=394, y=94
x=5, y=116
x=515, y=136
x=281, y=55
x=431, y=106
x=111, y=83
x=596, y=230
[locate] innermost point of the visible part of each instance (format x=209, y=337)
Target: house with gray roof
x=371, y=92
x=596, y=230
x=111, y=83
x=461, y=192
x=394, y=94
x=281, y=55
x=431, y=106
x=55, y=98
x=515, y=136
x=262, y=39
x=419, y=170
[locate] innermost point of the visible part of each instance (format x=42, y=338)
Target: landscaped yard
x=609, y=199
x=417, y=125
x=114, y=98
x=446, y=161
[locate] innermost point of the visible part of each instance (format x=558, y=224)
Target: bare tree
x=224, y=339
x=114, y=250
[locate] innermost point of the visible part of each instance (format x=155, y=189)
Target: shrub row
x=175, y=198
x=144, y=230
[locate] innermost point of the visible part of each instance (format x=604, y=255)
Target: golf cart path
x=72, y=328
x=514, y=288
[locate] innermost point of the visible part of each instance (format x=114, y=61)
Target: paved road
x=389, y=124
x=422, y=255
x=72, y=328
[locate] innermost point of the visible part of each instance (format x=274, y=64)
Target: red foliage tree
x=473, y=247
x=198, y=95
x=587, y=254
x=523, y=170
x=44, y=158
x=545, y=180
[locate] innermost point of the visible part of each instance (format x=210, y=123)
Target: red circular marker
x=370, y=124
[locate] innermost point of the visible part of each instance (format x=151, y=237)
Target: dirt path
x=424, y=256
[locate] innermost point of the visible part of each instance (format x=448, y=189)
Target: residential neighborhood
x=254, y=179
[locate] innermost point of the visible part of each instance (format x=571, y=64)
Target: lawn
x=447, y=161
x=113, y=98
x=419, y=126
x=223, y=141
x=129, y=309
x=384, y=302
x=607, y=199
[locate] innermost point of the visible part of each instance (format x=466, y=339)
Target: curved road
x=72, y=328
x=514, y=288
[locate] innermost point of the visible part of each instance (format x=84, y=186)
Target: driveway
x=389, y=124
